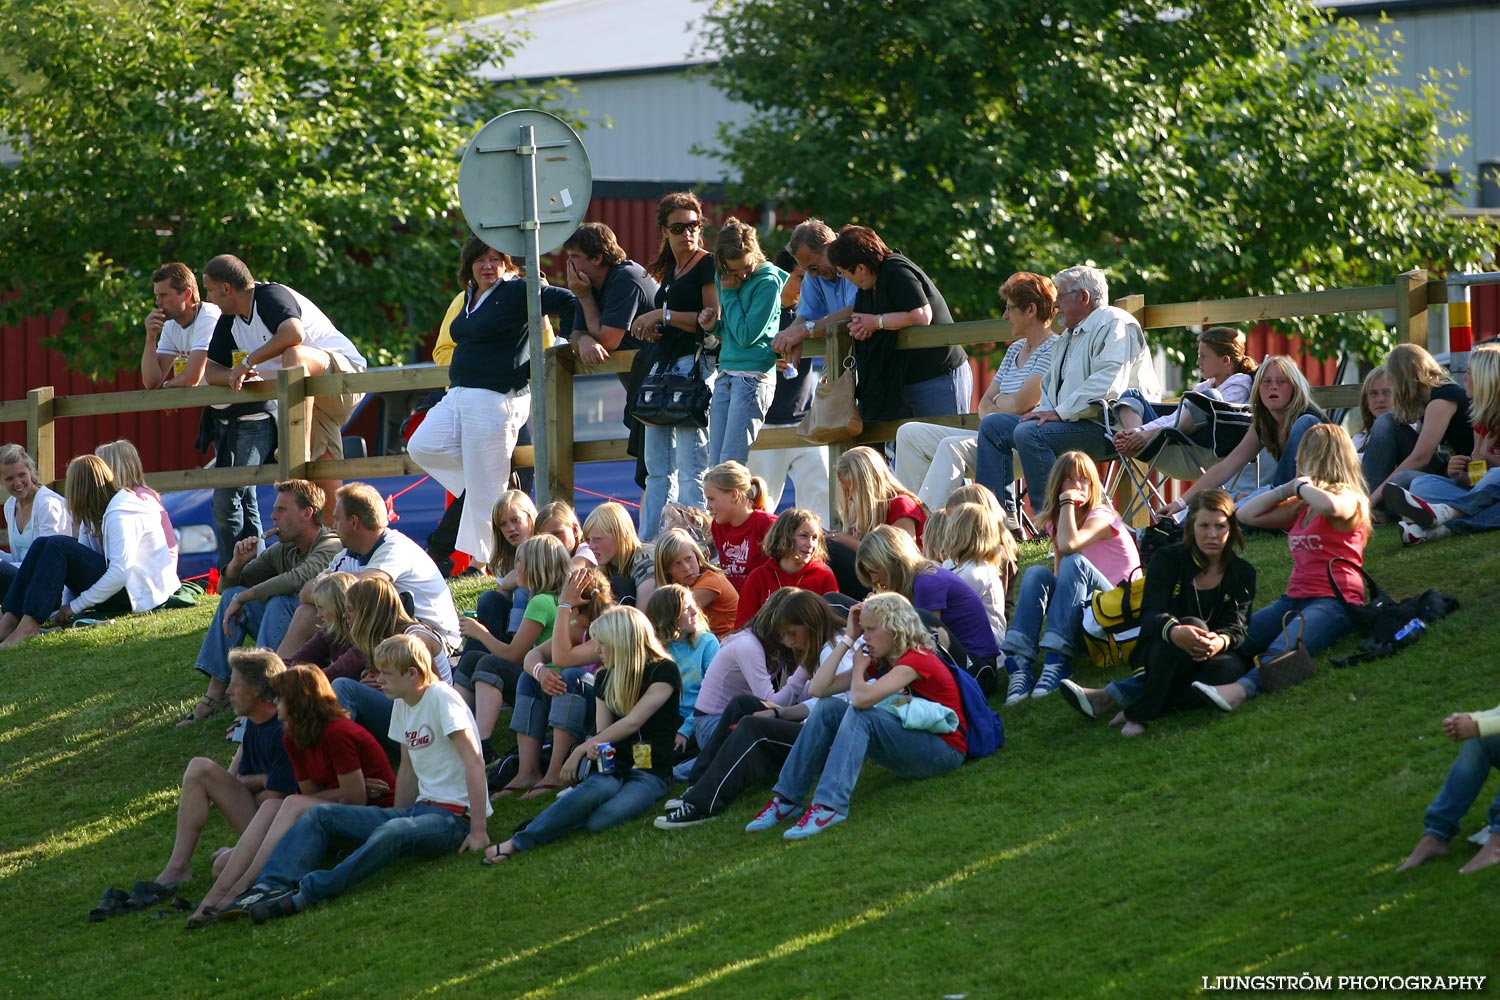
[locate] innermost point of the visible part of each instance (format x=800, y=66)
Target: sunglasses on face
x=678, y=228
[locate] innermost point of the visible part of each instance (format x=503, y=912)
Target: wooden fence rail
x=1409, y=297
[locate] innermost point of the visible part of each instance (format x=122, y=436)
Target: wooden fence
x=1409, y=296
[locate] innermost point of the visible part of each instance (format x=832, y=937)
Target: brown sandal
x=206, y=708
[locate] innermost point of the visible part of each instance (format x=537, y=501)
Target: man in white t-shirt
x=177, y=330
x=266, y=327
x=370, y=543
x=442, y=804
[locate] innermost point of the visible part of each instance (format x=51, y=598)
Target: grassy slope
x=1074, y=864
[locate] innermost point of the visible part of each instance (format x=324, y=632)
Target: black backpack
x=1387, y=623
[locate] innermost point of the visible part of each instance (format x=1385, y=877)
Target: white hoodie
x=137, y=555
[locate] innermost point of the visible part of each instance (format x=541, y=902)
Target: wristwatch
x=809, y=325
x=666, y=315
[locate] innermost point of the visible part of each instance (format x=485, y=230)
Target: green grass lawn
x=1074, y=863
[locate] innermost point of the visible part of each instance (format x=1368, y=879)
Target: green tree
x=1194, y=151
x=319, y=142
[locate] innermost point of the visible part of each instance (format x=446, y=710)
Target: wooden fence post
x=41, y=433
x=556, y=482
x=292, y=417
x=1411, y=307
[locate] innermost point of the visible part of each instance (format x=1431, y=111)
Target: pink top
x=1114, y=554
x=1314, y=544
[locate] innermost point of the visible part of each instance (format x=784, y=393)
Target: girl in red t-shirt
x=894, y=655
x=737, y=502
x=1326, y=514
x=869, y=496
x=796, y=557
x=335, y=760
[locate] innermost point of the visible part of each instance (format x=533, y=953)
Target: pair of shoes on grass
x=815, y=819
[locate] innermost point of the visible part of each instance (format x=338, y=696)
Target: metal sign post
x=554, y=190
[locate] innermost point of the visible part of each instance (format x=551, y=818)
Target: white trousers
x=934, y=460
x=808, y=468
x=465, y=443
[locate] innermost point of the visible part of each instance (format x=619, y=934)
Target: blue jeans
x=1038, y=445
x=368, y=706
x=1327, y=622
x=1052, y=607
x=535, y=712
x=602, y=801
x=1441, y=489
x=944, y=395
x=676, y=459
x=737, y=414
x=236, y=511
x=424, y=831
x=1286, y=465
x=1465, y=781
x=836, y=739
x=52, y=563
x=266, y=622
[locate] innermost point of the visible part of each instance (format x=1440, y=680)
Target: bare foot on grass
x=1427, y=848
x=1488, y=855
x=1132, y=729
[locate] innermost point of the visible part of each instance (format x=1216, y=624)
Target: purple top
x=945, y=594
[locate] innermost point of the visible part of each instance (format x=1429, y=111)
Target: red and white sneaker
x=1415, y=534
x=776, y=810
x=817, y=819
x=1406, y=504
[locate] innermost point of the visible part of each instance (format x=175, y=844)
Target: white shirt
x=984, y=580
x=49, y=516
x=138, y=559
x=279, y=302
x=425, y=729
x=1097, y=359
x=414, y=572
x=177, y=339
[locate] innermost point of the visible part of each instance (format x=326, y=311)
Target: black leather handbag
x=668, y=400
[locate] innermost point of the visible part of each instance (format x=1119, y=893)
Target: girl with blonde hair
x=611, y=535
x=983, y=554
x=888, y=560
x=1431, y=503
x=678, y=559
x=869, y=495
x=1428, y=422
x=32, y=510
x=125, y=464
x=747, y=320
x=1228, y=374
x=737, y=503
x=682, y=630
x=331, y=643
x=1281, y=411
x=1374, y=400
x=1092, y=549
x=891, y=649
x=636, y=714
x=120, y=563
x=1326, y=515
x=512, y=521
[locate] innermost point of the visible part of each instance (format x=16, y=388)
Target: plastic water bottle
x=1410, y=630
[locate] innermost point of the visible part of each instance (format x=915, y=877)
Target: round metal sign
x=490, y=182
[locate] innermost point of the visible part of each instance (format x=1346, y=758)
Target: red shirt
x=1314, y=544
x=935, y=683
x=767, y=579
x=900, y=506
x=740, y=549
x=345, y=746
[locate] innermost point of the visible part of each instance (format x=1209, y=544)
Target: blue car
x=419, y=501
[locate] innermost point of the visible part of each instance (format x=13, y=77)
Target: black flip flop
x=113, y=903
x=147, y=894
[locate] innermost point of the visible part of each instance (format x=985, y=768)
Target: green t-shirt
x=542, y=608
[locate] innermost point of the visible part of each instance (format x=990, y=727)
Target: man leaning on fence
x=266, y=327
x=1101, y=352
x=259, y=594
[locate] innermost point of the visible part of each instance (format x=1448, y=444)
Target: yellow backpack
x=1112, y=622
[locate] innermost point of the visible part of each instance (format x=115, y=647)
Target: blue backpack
x=982, y=725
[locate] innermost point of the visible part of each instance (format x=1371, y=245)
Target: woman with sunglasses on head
x=677, y=457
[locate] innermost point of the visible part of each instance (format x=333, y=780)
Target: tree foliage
x=1193, y=150
x=319, y=142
